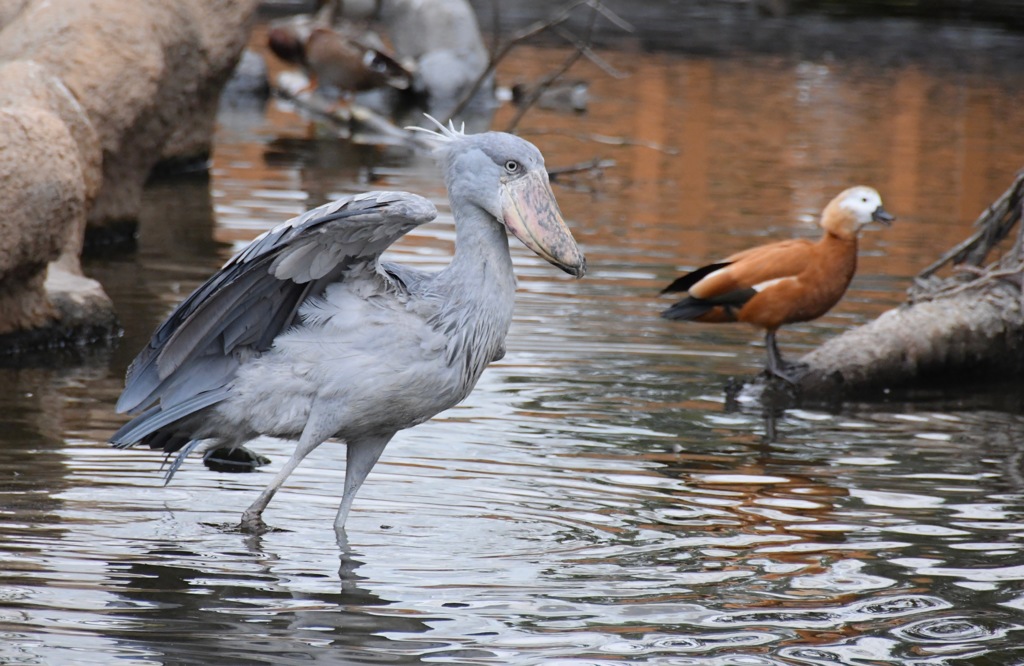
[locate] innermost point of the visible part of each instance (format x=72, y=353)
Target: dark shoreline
x=974, y=35
x=989, y=36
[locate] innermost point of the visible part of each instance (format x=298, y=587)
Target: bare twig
x=530, y=31
x=608, y=140
x=501, y=52
x=993, y=226
x=350, y=121
x=1018, y=244
x=534, y=94
x=338, y=116
x=546, y=82
x=585, y=49
x=984, y=277
x=596, y=165
x=495, y=26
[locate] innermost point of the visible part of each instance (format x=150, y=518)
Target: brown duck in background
x=785, y=282
x=336, y=59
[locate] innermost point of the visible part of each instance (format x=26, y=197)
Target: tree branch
x=596, y=165
x=993, y=226
x=499, y=53
x=609, y=140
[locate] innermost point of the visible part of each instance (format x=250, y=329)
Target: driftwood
x=967, y=324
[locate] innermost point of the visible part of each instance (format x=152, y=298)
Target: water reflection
x=597, y=499
x=264, y=608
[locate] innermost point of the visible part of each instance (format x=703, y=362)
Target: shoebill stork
x=307, y=335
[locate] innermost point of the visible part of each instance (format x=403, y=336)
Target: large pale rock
x=218, y=24
x=93, y=94
x=41, y=186
x=147, y=73
x=27, y=84
x=976, y=333
x=9, y=9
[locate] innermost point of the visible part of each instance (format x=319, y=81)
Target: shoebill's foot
x=252, y=523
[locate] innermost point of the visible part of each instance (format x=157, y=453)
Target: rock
x=42, y=199
x=84, y=312
x=93, y=95
x=442, y=38
x=223, y=32
x=27, y=84
x=234, y=459
x=977, y=333
x=152, y=97
x=9, y=9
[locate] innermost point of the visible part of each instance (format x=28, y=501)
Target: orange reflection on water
x=712, y=155
x=763, y=143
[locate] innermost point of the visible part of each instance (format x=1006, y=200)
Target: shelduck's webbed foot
x=789, y=372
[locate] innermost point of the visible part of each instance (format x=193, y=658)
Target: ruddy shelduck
x=785, y=282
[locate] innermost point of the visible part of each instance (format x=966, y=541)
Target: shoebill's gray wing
x=254, y=297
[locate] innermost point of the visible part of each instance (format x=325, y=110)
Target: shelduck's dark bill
x=531, y=215
x=882, y=215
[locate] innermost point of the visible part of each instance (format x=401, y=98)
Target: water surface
x=595, y=500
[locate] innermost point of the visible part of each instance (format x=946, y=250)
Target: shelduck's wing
x=744, y=273
x=684, y=282
x=257, y=293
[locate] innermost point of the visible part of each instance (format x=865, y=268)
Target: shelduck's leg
x=777, y=366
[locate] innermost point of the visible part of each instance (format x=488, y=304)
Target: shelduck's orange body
x=785, y=282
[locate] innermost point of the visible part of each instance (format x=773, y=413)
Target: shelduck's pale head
x=854, y=208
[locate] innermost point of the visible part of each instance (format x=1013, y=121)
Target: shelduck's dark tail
x=688, y=309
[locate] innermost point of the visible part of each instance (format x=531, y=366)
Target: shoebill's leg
x=362, y=456
x=318, y=428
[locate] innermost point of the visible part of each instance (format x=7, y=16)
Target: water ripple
x=817, y=618
x=954, y=630
x=596, y=500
